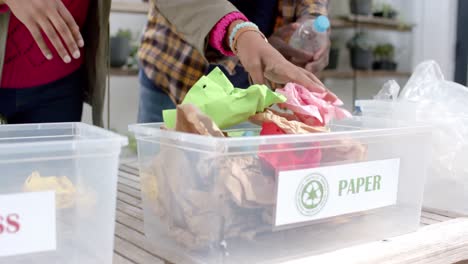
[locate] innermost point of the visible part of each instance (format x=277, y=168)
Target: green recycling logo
x=312, y=195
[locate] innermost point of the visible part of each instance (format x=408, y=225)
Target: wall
x=436, y=32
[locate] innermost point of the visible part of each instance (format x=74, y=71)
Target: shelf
x=123, y=72
x=130, y=7
x=370, y=22
x=343, y=22
x=328, y=74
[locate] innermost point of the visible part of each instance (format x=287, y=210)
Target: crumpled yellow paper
x=65, y=191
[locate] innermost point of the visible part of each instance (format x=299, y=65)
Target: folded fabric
x=313, y=109
x=280, y=157
x=227, y=106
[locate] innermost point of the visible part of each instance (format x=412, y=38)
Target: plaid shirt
x=175, y=66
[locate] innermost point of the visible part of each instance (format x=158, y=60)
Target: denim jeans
x=153, y=100
x=59, y=101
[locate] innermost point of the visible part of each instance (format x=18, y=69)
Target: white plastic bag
x=428, y=98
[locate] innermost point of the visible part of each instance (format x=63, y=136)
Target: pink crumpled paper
x=313, y=109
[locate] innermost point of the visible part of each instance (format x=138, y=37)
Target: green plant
x=360, y=40
x=384, y=52
x=335, y=43
x=132, y=143
x=124, y=33
x=386, y=10
x=133, y=57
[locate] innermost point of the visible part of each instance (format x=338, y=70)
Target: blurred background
x=401, y=34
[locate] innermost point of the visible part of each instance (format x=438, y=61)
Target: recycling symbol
x=312, y=194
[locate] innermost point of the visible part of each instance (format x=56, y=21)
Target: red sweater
x=25, y=66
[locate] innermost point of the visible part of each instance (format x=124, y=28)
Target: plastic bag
x=390, y=91
x=428, y=98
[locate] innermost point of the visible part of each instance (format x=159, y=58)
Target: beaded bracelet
x=237, y=28
x=242, y=31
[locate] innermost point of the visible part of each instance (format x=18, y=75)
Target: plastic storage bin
x=57, y=193
x=219, y=200
x=447, y=170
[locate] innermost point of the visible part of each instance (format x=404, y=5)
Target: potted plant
x=384, y=55
x=361, y=51
x=361, y=7
x=334, y=56
x=386, y=11
x=120, y=48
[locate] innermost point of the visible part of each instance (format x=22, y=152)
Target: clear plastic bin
x=77, y=165
x=449, y=147
x=192, y=215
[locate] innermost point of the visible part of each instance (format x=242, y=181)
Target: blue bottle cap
x=321, y=24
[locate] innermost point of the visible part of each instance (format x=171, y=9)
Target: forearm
x=198, y=19
x=219, y=35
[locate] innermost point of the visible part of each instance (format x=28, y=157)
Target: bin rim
x=390, y=104
x=101, y=135
x=152, y=132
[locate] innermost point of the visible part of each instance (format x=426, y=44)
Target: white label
x=318, y=193
x=27, y=223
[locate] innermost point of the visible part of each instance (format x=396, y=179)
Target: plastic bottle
x=312, y=35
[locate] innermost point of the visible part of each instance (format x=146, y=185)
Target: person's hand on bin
x=262, y=61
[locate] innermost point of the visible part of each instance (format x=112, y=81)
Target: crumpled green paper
x=215, y=96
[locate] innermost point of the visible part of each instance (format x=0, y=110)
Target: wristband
x=242, y=31
x=237, y=28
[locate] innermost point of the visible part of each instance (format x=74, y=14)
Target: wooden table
x=443, y=237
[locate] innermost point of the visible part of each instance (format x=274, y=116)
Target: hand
x=53, y=18
x=320, y=60
x=278, y=41
x=262, y=61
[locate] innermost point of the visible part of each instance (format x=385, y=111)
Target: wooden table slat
x=118, y=259
x=133, y=252
x=434, y=216
x=129, y=199
x=130, y=209
x=441, y=243
x=130, y=177
x=130, y=169
x=428, y=221
x=136, y=239
x=129, y=191
x=129, y=183
x=444, y=213
x=130, y=221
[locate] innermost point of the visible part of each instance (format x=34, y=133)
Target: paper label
x=27, y=223
x=318, y=193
